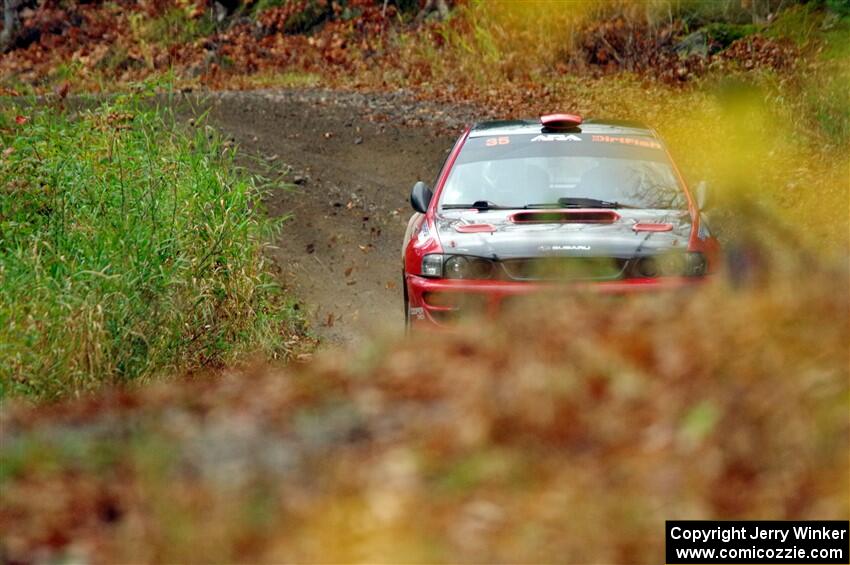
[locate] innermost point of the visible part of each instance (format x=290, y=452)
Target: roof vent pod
x=560, y=122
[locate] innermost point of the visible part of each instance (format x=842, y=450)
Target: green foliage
x=406, y=7
x=840, y=7
x=830, y=106
x=700, y=12
x=836, y=41
x=800, y=23
x=261, y=5
x=175, y=26
x=286, y=79
x=727, y=33
x=313, y=14
x=127, y=250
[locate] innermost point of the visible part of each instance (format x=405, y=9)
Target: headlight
x=696, y=265
x=691, y=264
x=672, y=265
x=460, y=267
x=647, y=267
x=432, y=266
x=457, y=267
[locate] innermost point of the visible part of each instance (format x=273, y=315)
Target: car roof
x=602, y=127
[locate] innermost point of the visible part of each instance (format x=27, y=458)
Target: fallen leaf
x=62, y=90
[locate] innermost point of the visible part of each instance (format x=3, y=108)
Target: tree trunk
x=10, y=22
x=755, y=12
x=439, y=6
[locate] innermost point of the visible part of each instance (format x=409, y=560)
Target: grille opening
x=450, y=307
x=441, y=299
x=445, y=316
x=454, y=302
x=565, y=268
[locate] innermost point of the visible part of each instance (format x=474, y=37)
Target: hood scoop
x=573, y=216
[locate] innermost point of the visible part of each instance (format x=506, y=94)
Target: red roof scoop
x=560, y=121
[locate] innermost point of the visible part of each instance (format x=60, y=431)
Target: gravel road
x=340, y=167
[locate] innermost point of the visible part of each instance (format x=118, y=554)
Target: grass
x=285, y=79
x=175, y=26
x=130, y=249
x=827, y=95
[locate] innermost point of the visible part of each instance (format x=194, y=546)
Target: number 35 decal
x=493, y=141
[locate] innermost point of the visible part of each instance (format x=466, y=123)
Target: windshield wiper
x=581, y=202
x=480, y=205
x=567, y=202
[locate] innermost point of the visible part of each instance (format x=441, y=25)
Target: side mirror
x=702, y=195
x=420, y=197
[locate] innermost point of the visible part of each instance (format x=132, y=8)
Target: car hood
x=502, y=237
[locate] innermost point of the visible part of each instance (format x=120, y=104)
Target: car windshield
x=529, y=170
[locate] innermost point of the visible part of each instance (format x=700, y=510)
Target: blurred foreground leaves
x=569, y=432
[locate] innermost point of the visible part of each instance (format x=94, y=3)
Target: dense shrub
x=841, y=7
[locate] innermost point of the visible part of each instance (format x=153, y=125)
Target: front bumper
x=439, y=301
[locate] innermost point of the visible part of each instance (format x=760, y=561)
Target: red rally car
x=522, y=205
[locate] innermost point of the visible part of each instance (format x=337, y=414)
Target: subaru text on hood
x=523, y=205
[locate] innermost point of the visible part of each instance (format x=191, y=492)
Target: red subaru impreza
x=523, y=205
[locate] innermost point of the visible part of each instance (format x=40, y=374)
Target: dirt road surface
x=340, y=166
